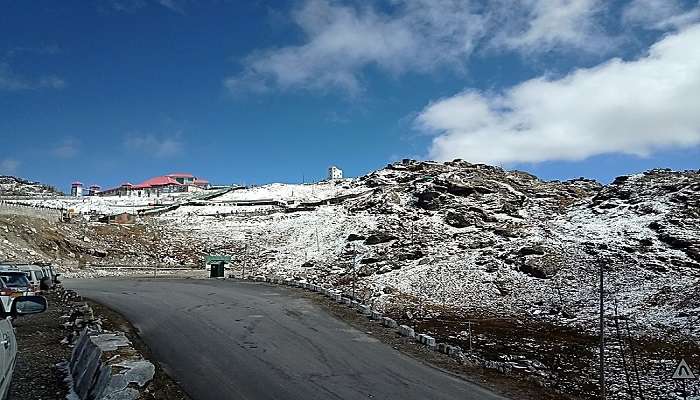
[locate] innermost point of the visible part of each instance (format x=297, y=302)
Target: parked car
x=49, y=269
x=50, y=278
x=35, y=274
x=7, y=295
x=13, y=284
x=16, y=280
x=22, y=305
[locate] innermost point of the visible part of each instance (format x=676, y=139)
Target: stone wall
x=50, y=214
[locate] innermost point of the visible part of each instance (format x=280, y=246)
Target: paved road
x=242, y=340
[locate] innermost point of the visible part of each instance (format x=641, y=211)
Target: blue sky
x=253, y=91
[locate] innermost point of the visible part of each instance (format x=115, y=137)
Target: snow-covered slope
x=466, y=241
x=475, y=236
x=447, y=242
x=12, y=186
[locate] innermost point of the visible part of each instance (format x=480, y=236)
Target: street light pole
x=602, y=336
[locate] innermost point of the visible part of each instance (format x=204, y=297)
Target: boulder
x=379, y=237
x=458, y=220
x=354, y=237
x=429, y=200
x=530, y=251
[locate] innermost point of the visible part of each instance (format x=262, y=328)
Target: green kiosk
x=216, y=265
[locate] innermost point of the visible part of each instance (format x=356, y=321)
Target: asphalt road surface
x=242, y=340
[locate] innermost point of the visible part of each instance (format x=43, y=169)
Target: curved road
x=242, y=340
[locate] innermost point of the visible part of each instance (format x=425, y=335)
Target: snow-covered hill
x=477, y=237
x=12, y=186
x=437, y=244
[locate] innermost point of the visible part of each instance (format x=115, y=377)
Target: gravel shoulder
x=36, y=375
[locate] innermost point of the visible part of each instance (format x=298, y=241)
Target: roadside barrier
x=406, y=331
x=105, y=366
x=426, y=340
x=389, y=323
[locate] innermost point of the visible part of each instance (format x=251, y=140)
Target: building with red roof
x=154, y=187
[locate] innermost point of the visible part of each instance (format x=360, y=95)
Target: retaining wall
x=105, y=366
x=50, y=214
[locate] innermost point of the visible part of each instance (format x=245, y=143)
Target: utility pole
x=621, y=342
x=245, y=260
x=469, y=324
x=634, y=359
x=354, y=269
x=318, y=246
x=602, y=336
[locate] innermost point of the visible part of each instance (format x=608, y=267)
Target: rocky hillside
x=12, y=186
x=482, y=239
x=438, y=244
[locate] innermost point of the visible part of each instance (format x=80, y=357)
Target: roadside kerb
x=403, y=330
x=389, y=323
x=407, y=331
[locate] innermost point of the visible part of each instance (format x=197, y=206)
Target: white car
x=52, y=276
x=12, y=285
x=8, y=344
x=16, y=280
x=35, y=274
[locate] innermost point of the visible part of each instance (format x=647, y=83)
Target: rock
x=532, y=270
x=458, y=220
x=354, y=237
x=366, y=270
x=429, y=200
x=379, y=237
x=385, y=269
x=528, y=251
x=411, y=255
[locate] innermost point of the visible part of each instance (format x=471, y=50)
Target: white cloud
x=8, y=166
x=173, y=5
x=68, y=148
x=660, y=14
x=11, y=81
x=631, y=107
x=342, y=40
x=533, y=26
x=162, y=147
x=130, y=6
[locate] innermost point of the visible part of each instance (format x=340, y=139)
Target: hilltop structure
x=166, y=184
x=76, y=189
x=334, y=173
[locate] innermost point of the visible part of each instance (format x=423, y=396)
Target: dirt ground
x=39, y=349
x=39, y=336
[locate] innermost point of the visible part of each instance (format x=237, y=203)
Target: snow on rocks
x=431, y=236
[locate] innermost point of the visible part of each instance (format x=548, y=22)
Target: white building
x=335, y=173
x=76, y=189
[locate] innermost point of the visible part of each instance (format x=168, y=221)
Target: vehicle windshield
x=15, y=280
